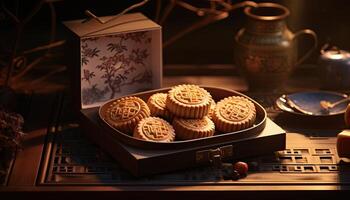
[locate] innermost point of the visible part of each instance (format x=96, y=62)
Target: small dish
x=308, y=103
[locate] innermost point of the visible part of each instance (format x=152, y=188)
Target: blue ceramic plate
x=308, y=103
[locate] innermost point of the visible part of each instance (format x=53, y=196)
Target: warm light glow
x=335, y=55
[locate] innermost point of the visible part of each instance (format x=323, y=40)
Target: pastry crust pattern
x=156, y=104
x=233, y=114
x=212, y=108
x=187, y=129
x=188, y=101
x=154, y=129
x=123, y=114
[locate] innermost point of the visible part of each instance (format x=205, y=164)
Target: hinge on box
x=214, y=156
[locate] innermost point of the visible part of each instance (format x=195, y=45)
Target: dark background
x=330, y=19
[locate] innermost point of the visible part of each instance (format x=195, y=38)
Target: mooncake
x=187, y=129
x=233, y=114
x=156, y=104
x=188, y=101
x=154, y=129
x=124, y=113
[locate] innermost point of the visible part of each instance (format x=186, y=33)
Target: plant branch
x=53, y=24
x=33, y=12
x=243, y=4
x=211, y=14
x=93, y=16
x=44, y=47
x=28, y=68
x=14, y=53
x=167, y=11
x=158, y=8
x=60, y=68
x=9, y=13
x=207, y=20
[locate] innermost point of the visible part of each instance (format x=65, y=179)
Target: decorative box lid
x=124, y=23
x=113, y=59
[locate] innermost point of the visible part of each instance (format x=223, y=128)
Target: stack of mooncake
x=186, y=112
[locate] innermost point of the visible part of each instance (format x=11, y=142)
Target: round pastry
x=126, y=112
x=154, y=129
x=156, y=104
x=188, y=101
x=234, y=113
x=212, y=108
x=187, y=129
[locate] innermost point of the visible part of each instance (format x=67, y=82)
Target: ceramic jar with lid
x=335, y=68
x=265, y=49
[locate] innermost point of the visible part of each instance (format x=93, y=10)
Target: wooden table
x=57, y=161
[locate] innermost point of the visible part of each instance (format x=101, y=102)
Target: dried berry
x=241, y=168
x=235, y=175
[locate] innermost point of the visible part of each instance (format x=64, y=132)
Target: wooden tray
x=217, y=94
x=141, y=162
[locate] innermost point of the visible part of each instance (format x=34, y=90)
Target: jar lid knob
x=328, y=47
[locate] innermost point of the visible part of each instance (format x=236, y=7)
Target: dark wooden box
x=141, y=162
